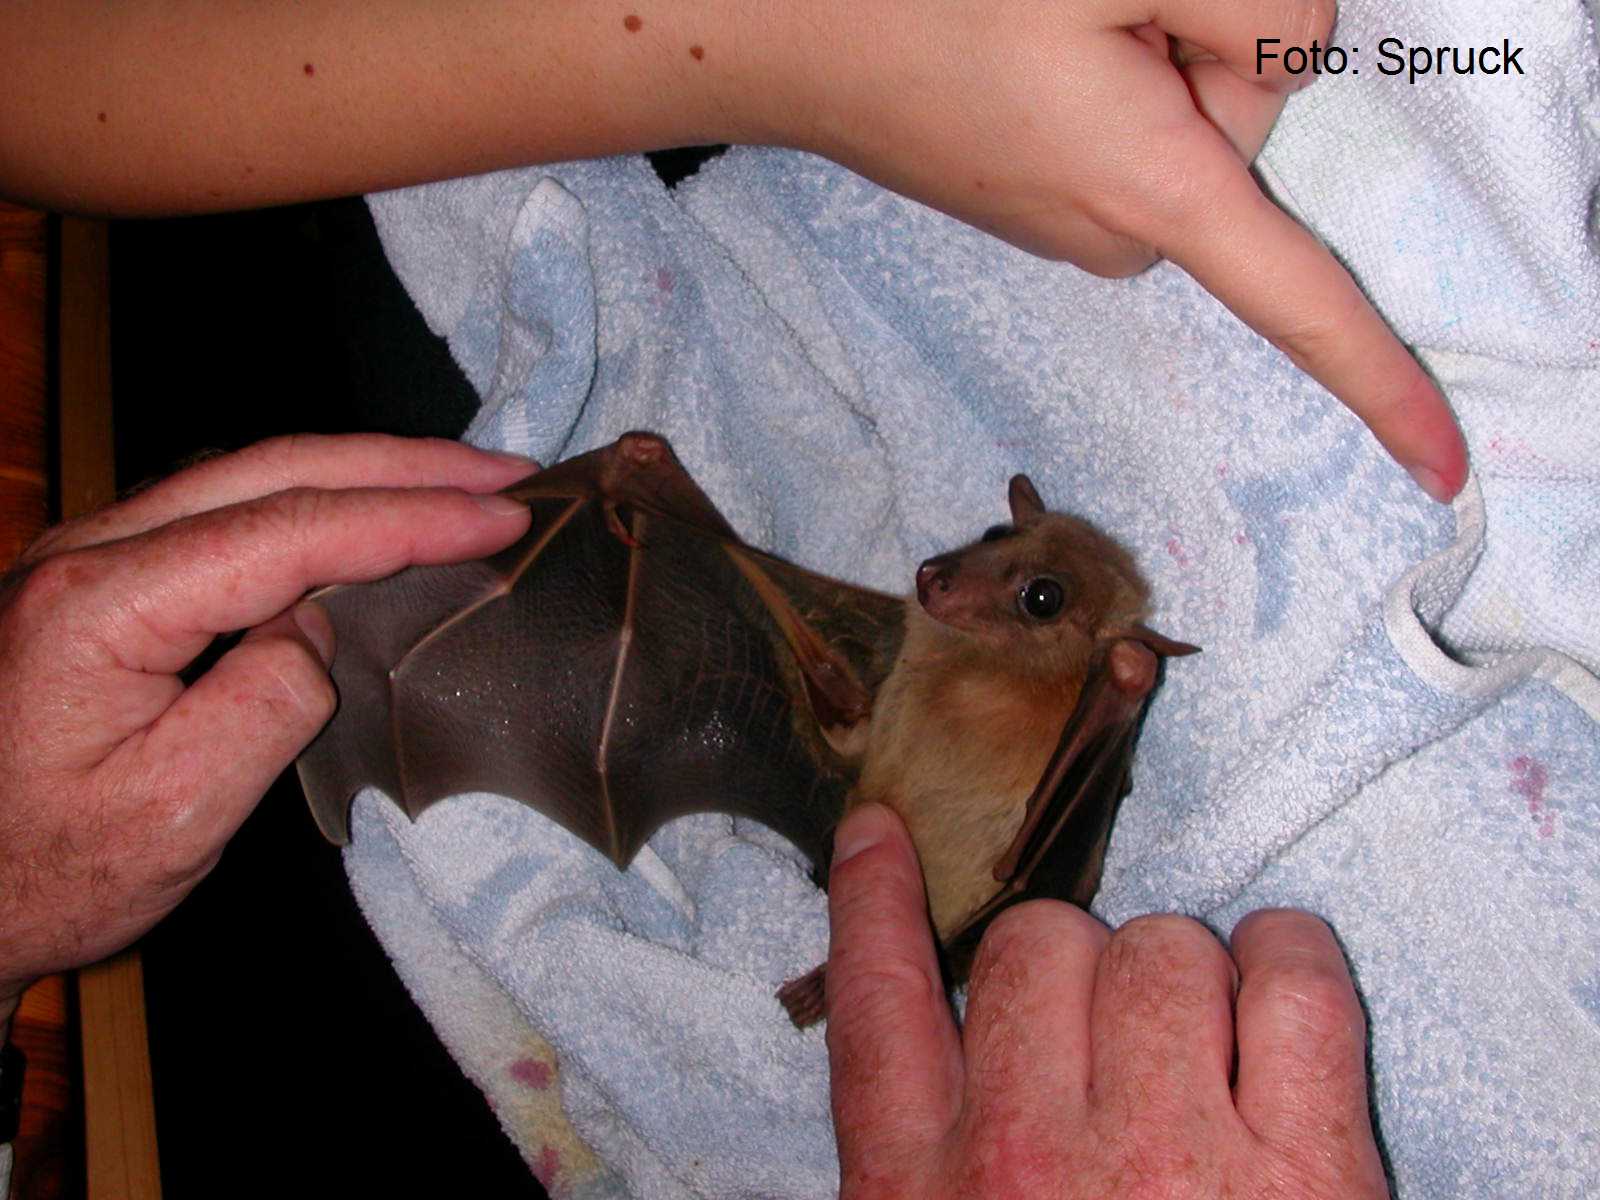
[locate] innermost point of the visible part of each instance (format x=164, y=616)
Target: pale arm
x=1105, y=132
x=149, y=107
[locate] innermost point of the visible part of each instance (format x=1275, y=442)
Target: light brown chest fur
x=956, y=748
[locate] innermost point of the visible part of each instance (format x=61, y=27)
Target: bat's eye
x=995, y=532
x=1041, y=598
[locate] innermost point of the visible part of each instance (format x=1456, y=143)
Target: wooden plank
x=24, y=491
x=118, y=1106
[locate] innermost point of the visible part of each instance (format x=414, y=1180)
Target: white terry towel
x=1394, y=720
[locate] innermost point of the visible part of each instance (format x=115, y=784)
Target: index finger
x=893, y=1051
x=357, y=460
x=154, y=601
x=1283, y=283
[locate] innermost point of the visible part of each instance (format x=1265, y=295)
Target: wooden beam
x=119, y=1116
x=24, y=448
x=118, y=1108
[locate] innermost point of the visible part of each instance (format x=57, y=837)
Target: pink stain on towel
x=532, y=1072
x=1529, y=778
x=549, y=1164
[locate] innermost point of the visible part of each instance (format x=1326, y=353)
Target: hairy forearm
x=156, y=106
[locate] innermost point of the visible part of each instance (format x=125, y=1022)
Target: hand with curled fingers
x=120, y=780
x=1145, y=1061
x=1111, y=133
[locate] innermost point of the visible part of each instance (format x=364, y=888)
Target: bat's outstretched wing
x=628, y=661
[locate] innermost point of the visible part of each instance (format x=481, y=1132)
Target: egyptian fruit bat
x=630, y=660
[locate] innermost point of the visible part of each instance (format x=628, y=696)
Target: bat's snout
x=934, y=579
x=951, y=594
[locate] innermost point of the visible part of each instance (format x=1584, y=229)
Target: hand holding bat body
x=120, y=782
x=1092, y=1065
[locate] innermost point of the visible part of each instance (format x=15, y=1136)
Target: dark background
x=287, y=1056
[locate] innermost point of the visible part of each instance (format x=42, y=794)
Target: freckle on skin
x=632, y=23
x=310, y=70
x=698, y=52
x=101, y=118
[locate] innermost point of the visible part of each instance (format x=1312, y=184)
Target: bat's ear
x=1160, y=642
x=1026, y=507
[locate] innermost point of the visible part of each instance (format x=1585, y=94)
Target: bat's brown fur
x=999, y=681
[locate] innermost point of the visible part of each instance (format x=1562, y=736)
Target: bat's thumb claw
x=618, y=529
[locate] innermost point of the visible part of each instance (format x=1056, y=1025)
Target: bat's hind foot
x=804, y=998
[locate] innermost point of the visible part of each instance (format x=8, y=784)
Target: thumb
x=224, y=740
x=893, y=1050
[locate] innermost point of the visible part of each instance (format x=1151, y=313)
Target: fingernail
x=498, y=505
x=1431, y=482
x=862, y=829
x=517, y=460
x=312, y=620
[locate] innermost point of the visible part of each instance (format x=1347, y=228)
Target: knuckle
x=296, y=507
x=287, y=686
x=1155, y=961
x=42, y=590
x=281, y=459
x=1161, y=935
x=290, y=517
x=1298, y=979
x=1037, y=931
x=1313, y=1001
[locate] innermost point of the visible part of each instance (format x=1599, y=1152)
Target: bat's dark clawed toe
x=804, y=999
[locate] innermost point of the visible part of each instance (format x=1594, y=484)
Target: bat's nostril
x=933, y=575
